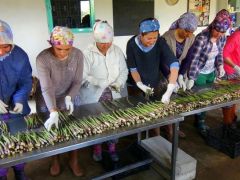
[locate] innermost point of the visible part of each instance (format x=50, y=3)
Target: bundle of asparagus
x=75, y=128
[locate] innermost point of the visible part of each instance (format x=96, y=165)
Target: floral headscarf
x=103, y=32
x=188, y=21
x=6, y=36
x=149, y=25
x=222, y=21
x=61, y=36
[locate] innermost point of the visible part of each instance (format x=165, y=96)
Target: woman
x=60, y=70
x=150, y=60
x=16, y=84
x=105, y=74
x=206, y=59
x=231, y=55
x=180, y=38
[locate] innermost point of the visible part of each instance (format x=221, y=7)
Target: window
x=75, y=14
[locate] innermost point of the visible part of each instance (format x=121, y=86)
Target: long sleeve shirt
x=59, y=78
x=16, y=79
x=198, y=54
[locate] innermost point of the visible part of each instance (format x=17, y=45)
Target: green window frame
x=74, y=30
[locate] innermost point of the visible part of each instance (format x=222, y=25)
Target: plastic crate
x=225, y=139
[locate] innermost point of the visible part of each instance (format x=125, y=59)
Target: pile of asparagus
x=74, y=128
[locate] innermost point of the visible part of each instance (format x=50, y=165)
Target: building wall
x=29, y=22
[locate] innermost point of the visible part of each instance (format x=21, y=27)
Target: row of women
x=69, y=77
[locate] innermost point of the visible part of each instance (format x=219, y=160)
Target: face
x=5, y=48
x=184, y=34
x=149, y=39
x=103, y=47
x=216, y=34
x=61, y=51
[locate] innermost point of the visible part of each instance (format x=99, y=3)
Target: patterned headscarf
x=149, y=25
x=102, y=32
x=61, y=36
x=188, y=21
x=6, y=36
x=222, y=21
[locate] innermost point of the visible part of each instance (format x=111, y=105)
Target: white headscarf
x=102, y=32
x=6, y=36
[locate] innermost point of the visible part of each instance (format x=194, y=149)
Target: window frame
x=74, y=30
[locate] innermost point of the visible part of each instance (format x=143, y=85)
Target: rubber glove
x=52, y=120
x=166, y=96
x=116, y=87
x=221, y=71
x=237, y=69
x=144, y=88
x=69, y=104
x=98, y=82
x=190, y=84
x=17, y=109
x=181, y=82
x=3, y=106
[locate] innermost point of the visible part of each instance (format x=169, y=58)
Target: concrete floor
x=211, y=164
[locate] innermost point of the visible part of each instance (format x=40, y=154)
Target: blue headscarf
x=149, y=25
x=188, y=21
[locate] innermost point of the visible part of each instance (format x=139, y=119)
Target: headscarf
x=149, y=25
x=187, y=21
x=102, y=32
x=6, y=36
x=61, y=36
x=222, y=21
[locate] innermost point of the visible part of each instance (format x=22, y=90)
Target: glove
x=181, y=82
x=166, y=96
x=69, y=104
x=237, y=69
x=98, y=82
x=190, y=84
x=221, y=71
x=52, y=120
x=115, y=87
x=3, y=106
x=17, y=109
x=144, y=88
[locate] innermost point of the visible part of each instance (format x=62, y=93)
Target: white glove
x=166, y=96
x=190, y=84
x=17, y=109
x=3, y=106
x=181, y=82
x=116, y=87
x=69, y=104
x=144, y=88
x=52, y=120
x=237, y=69
x=221, y=71
x=98, y=82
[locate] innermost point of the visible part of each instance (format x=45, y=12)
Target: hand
x=181, y=82
x=69, y=104
x=237, y=69
x=115, y=87
x=144, y=88
x=190, y=84
x=166, y=96
x=52, y=120
x=17, y=109
x=221, y=71
x=3, y=107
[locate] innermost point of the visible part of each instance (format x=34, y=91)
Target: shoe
x=76, y=170
x=97, y=152
x=114, y=157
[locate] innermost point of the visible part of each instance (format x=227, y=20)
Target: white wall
x=29, y=22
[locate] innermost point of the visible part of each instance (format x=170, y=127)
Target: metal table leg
x=174, y=150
